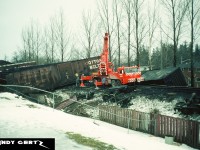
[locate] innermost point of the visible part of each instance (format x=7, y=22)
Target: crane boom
x=104, y=67
x=123, y=75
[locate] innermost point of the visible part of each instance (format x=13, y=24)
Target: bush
x=155, y=111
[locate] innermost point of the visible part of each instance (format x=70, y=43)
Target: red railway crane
x=123, y=75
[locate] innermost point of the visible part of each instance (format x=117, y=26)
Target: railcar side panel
x=51, y=76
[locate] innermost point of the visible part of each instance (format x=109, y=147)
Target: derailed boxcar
x=52, y=76
x=7, y=67
x=169, y=77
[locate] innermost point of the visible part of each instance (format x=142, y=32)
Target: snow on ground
x=22, y=118
x=144, y=104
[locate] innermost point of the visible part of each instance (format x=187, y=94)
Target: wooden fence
x=183, y=131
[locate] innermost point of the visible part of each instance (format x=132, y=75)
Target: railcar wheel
x=115, y=83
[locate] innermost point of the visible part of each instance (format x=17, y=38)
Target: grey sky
x=17, y=14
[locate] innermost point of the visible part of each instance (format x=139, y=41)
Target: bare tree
x=15, y=57
x=161, y=45
x=193, y=16
x=62, y=36
x=90, y=33
x=152, y=25
x=128, y=9
x=46, y=46
x=32, y=39
x=192, y=43
x=177, y=10
x=31, y=43
x=52, y=38
x=27, y=44
x=38, y=42
x=139, y=24
x=5, y=58
x=107, y=18
x=24, y=49
x=118, y=14
x=75, y=53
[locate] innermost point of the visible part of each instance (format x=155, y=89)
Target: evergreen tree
x=156, y=61
x=197, y=53
x=144, y=56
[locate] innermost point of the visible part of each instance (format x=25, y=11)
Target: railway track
x=177, y=89
x=66, y=103
x=151, y=91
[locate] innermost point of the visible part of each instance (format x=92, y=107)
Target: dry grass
x=90, y=142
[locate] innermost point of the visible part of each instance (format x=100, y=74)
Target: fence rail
x=183, y=131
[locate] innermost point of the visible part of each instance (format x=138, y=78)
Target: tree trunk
x=191, y=46
x=174, y=33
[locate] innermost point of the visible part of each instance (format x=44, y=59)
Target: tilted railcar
x=51, y=76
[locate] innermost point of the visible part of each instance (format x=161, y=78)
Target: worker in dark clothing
x=77, y=79
x=103, y=82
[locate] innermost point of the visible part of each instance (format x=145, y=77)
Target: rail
x=173, y=88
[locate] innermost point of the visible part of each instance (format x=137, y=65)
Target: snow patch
x=45, y=122
x=146, y=105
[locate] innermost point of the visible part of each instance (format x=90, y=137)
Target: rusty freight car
x=7, y=67
x=52, y=76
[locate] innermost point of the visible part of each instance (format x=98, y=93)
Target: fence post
x=94, y=116
x=115, y=115
x=128, y=120
x=53, y=102
x=155, y=124
x=198, y=134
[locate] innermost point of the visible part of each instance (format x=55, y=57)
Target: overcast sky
x=17, y=14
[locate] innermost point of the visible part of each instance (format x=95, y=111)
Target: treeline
x=162, y=58
x=45, y=44
x=142, y=32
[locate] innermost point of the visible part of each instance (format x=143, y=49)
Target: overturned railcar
x=169, y=77
x=52, y=76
